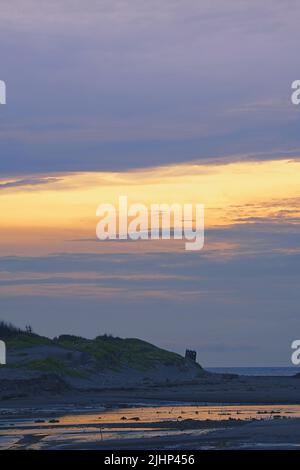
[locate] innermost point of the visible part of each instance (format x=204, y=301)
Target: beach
x=220, y=412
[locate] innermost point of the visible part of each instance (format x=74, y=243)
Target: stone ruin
x=191, y=355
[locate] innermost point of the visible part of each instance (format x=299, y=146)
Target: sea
x=270, y=371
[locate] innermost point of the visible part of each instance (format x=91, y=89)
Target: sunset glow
x=230, y=193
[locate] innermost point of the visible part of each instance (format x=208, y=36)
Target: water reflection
x=41, y=430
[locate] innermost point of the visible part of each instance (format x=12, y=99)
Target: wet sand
x=280, y=435
x=211, y=389
x=152, y=427
x=243, y=412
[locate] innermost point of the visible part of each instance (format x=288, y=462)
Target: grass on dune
x=103, y=352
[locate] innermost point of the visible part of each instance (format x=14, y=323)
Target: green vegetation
x=50, y=365
x=114, y=353
x=7, y=330
x=24, y=340
x=103, y=352
x=18, y=338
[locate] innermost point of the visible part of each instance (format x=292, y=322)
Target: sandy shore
x=70, y=432
x=162, y=427
x=211, y=389
x=283, y=434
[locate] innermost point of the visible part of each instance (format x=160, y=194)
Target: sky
x=174, y=102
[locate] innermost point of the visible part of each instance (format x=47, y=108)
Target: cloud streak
x=27, y=182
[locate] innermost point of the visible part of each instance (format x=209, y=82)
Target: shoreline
x=137, y=428
x=210, y=390
x=71, y=420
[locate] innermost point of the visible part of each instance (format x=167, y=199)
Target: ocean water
x=270, y=371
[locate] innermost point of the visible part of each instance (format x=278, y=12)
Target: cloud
x=205, y=301
x=28, y=182
x=129, y=84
